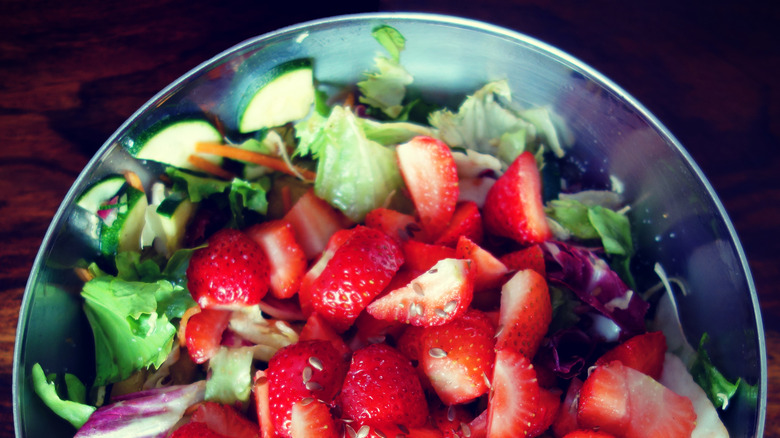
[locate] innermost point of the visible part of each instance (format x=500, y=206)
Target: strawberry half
x=263, y=404
x=489, y=271
x=381, y=388
x=203, y=333
x=232, y=271
x=286, y=258
x=625, y=402
x=588, y=434
x=525, y=313
x=358, y=271
x=514, y=398
x=195, y=430
x=513, y=207
x=420, y=256
x=225, y=420
x=466, y=221
x=305, y=292
x=435, y=297
x=316, y=328
x=314, y=222
x=457, y=357
x=306, y=369
x=643, y=353
x=312, y=418
x=566, y=418
x=526, y=258
x=395, y=224
x=431, y=177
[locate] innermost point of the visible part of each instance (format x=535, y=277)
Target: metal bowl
x=679, y=221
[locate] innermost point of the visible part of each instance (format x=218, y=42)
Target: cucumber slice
x=169, y=222
x=100, y=192
x=172, y=143
x=123, y=233
x=284, y=94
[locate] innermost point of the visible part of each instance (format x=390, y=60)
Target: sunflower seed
x=379, y=433
x=441, y=313
x=415, y=309
x=313, y=386
x=418, y=289
x=437, y=353
x=350, y=431
x=450, y=306
x=316, y=363
x=487, y=381
x=307, y=372
x=466, y=430
x=451, y=413
x=363, y=432
x=433, y=271
x=403, y=429
x=306, y=401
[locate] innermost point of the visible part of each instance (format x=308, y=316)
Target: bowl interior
x=678, y=220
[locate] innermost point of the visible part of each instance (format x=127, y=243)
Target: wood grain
x=72, y=72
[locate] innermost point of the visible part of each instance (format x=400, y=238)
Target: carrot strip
x=209, y=167
x=254, y=158
x=133, y=179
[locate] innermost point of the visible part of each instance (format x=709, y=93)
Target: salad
x=364, y=263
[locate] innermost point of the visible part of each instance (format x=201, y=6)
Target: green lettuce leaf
x=73, y=408
x=386, y=89
x=354, y=173
x=717, y=387
x=131, y=331
x=230, y=378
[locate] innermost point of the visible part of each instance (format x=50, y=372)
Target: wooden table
x=71, y=72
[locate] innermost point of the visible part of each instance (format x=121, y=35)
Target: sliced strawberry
x=410, y=344
x=514, y=398
x=489, y=271
x=203, y=334
x=526, y=258
x=381, y=388
x=549, y=402
x=458, y=357
x=450, y=419
x=390, y=431
x=478, y=426
x=430, y=175
x=566, y=418
x=225, y=420
x=263, y=404
x=358, y=271
x=525, y=314
x=420, y=256
x=370, y=330
x=625, y=402
x=286, y=258
x=466, y=221
x=314, y=222
x=588, y=434
x=195, y=430
x=312, y=418
x=434, y=298
x=644, y=352
x=316, y=328
x=395, y=224
x=305, y=292
x=306, y=369
x=513, y=207
x=231, y=272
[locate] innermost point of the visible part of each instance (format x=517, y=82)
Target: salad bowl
x=679, y=226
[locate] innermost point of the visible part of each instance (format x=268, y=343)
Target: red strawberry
x=588, y=434
x=513, y=207
x=305, y=292
x=316, y=328
x=434, y=298
x=381, y=388
x=566, y=419
x=203, y=333
x=232, y=271
x=420, y=256
x=314, y=221
x=625, y=402
x=526, y=258
x=390, y=430
x=410, y=345
x=312, y=418
x=478, y=426
x=525, y=314
x=262, y=404
x=358, y=271
x=466, y=221
x=549, y=402
x=489, y=271
x=450, y=420
x=225, y=420
x=395, y=224
x=644, y=352
x=195, y=430
x=458, y=357
x=514, y=398
x=306, y=369
x=369, y=330
x=430, y=175
x=286, y=258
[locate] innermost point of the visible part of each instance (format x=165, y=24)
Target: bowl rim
x=433, y=18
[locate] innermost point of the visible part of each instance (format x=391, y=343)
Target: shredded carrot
x=253, y=157
x=209, y=167
x=183, y=324
x=286, y=198
x=133, y=179
x=83, y=274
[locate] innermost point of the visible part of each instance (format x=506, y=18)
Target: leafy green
x=354, y=173
x=564, y=309
x=717, y=387
x=392, y=133
x=238, y=195
x=73, y=408
x=131, y=324
x=230, y=379
x=572, y=215
x=386, y=89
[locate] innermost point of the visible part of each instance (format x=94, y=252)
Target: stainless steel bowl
x=680, y=223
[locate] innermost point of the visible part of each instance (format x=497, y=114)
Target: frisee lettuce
x=717, y=387
x=386, y=89
x=73, y=408
x=230, y=379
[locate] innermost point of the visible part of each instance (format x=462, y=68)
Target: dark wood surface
x=72, y=72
